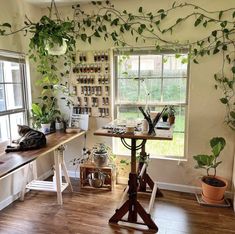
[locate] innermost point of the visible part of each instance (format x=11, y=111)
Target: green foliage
x=208, y=162
x=44, y=112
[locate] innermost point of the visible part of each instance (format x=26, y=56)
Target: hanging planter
x=56, y=49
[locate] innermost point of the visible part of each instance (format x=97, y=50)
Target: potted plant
x=165, y=116
x=171, y=114
x=43, y=115
x=213, y=186
x=100, y=154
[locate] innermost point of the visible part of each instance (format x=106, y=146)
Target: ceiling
x=44, y=3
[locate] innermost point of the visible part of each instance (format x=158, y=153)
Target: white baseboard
x=6, y=202
x=175, y=187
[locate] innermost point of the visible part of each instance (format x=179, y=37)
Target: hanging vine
x=106, y=22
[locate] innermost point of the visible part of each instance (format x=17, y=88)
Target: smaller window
x=13, y=103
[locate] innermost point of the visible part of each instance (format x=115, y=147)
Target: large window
x=154, y=80
x=13, y=105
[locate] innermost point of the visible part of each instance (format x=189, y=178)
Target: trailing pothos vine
x=107, y=22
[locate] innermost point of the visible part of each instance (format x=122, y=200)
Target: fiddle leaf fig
x=208, y=162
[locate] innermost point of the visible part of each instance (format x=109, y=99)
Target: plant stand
x=86, y=169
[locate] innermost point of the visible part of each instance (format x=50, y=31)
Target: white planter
x=45, y=128
x=57, y=49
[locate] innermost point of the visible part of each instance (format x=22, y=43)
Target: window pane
x=12, y=72
x=2, y=98
x=14, y=96
x=4, y=128
x=127, y=112
x=128, y=66
x=163, y=148
x=150, y=66
x=173, y=67
x=174, y=90
x=15, y=119
x=127, y=90
x=1, y=71
x=150, y=90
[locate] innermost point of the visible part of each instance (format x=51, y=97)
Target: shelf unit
x=92, y=83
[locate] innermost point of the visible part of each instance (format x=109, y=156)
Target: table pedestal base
x=133, y=208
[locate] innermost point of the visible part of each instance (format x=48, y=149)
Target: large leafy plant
x=43, y=113
x=208, y=162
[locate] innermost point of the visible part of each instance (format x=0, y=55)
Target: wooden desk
x=10, y=162
x=132, y=206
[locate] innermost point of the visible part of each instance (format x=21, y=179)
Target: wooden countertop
x=14, y=160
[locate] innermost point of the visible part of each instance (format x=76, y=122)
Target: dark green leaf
x=178, y=20
x=157, y=22
x=232, y=114
x=233, y=14
x=83, y=37
x=224, y=47
x=160, y=11
x=233, y=69
x=224, y=100
x=6, y=25
x=216, y=50
x=223, y=24
x=96, y=34
x=140, y=9
x=163, y=16
x=214, y=33
x=205, y=23
x=197, y=22
x=195, y=61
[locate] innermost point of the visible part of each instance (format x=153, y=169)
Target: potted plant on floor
x=213, y=186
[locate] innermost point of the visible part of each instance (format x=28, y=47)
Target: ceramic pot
x=100, y=159
x=45, y=128
x=213, y=193
x=57, y=49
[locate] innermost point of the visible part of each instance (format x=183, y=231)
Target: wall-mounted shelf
x=92, y=83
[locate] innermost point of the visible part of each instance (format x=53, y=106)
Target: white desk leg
x=35, y=174
x=58, y=176
x=25, y=180
x=66, y=175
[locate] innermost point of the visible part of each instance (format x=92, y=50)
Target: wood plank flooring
x=88, y=210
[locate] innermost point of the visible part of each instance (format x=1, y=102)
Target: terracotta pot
x=171, y=120
x=213, y=194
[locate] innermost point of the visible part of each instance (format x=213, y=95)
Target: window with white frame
x=13, y=98
x=153, y=79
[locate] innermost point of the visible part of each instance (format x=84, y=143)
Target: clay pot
x=213, y=194
x=171, y=119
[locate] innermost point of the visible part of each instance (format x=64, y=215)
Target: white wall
x=13, y=11
x=205, y=113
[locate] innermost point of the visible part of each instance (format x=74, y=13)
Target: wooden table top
x=160, y=134
x=14, y=160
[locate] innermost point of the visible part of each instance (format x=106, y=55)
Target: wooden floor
x=88, y=211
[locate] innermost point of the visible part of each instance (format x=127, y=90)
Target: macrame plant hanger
x=53, y=7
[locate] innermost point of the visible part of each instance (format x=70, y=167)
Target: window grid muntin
x=184, y=104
